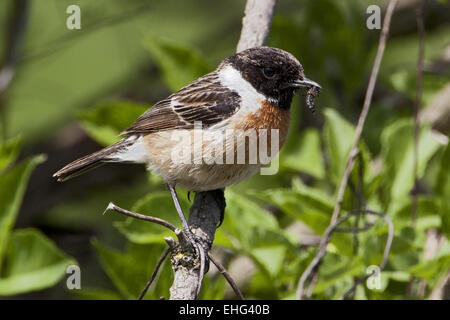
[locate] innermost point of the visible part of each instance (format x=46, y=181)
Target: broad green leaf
x=12, y=188
x=426, y=205
x=247, y=225
x=313, y=197
x=130, y=270
x=434, y=268
x=312, y=206
x=270, y=257
x=338, y=137
x=157, y=204
x=32, y=262
x=179, y=64
x=255, y=215
x=398, y=151
x=336, y=269
x=305, y=155
x=105, y=121
x=309, y=205
x=9, y=150
x=404, y=81
x=214, y=288
x=442, y=186
x=397, y=54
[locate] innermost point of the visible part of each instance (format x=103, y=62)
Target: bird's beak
x=305, y=83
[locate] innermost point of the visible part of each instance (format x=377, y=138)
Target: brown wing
x=204, y=100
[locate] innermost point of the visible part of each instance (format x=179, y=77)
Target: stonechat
x=249, y=91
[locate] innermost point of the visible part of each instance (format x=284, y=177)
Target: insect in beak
x=305, y=83
x=313, y=91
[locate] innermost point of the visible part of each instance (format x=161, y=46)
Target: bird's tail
x=93, y=160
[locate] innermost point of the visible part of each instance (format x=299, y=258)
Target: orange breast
x=268, y=117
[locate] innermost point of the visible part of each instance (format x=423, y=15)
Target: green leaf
x=270, y=257
x=335, y=269
x=106, y=121
x=247, y=225
x=426, y=205
x=404, y=81
x=32, y=262
x=157, y=204
x=9, y=150
x=434, y=268
x=442, y=186
x=398, y=150
x=130, y=270
x=305, y=155
x=179, y=64
x=12, y=188
x=338, y=137
x=397, y=54
x=310, y=205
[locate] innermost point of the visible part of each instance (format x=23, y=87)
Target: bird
x=249, y=91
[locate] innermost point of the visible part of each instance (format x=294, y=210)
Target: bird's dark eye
x=269, y=72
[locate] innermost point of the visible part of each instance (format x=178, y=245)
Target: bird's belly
x=207, y=166
x=209, y=159
x=211, y=177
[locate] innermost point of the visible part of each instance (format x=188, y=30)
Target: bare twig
x=313, y=266
x=256, y=23
x=164, y=223
x=227, y=276
x=154, y=273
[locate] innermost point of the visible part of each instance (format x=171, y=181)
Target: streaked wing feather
x=204, y=100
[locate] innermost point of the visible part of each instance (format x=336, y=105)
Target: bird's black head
x=272, y=72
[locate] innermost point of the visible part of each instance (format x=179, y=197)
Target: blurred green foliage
x=28, y=259
x=99, y=76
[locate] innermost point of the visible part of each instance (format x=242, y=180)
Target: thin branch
x=366, y=106
x=256, y=23
x=164, y=223
x=227, y=276
x=313, y=266
x=154, y=273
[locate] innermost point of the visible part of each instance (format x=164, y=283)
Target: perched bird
x=249, y=91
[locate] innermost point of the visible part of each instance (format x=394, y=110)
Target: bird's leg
x=173, y=193
x=193, y=239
